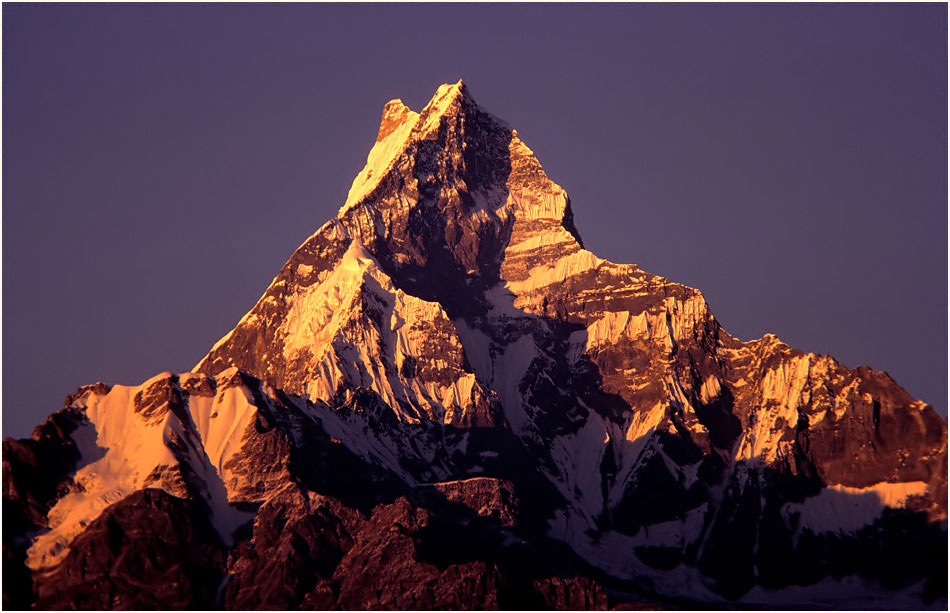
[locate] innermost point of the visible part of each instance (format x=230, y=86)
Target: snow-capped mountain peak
x=445, y=356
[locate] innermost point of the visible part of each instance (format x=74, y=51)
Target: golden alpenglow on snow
x=444, y=401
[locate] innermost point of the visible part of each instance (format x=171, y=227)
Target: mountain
x=443, y=400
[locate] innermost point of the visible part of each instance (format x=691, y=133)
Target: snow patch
x=506, y=377
x=477, y=348
x=547, y=274
x=839, y=508
x=710, y=389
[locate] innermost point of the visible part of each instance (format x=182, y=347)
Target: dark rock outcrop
x=150, y=550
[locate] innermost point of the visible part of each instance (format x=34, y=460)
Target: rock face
x=444, y=401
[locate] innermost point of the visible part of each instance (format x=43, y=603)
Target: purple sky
x=161, y=162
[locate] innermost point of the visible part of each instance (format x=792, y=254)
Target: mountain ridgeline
x=443, y=400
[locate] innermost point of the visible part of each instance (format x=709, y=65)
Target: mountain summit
x=443, y=400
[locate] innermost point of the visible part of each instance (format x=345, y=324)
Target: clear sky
x=161, y=162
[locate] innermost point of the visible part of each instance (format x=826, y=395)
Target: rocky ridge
x=444, y=401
